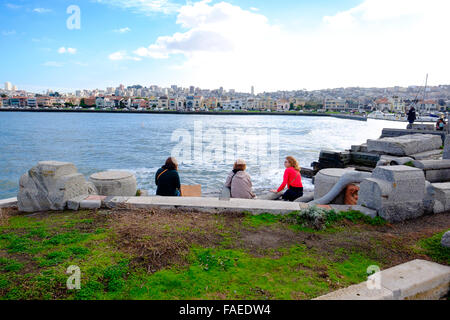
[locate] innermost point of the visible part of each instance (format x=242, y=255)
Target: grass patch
x=10, y=265
x=432, y=247
x=261, y=220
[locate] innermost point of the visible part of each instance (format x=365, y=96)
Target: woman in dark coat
x=412, y=115
x=168, y=180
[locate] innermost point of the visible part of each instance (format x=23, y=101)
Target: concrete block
x=49, y=185
x=417, y=279
x=445, y=242
x=8, y=203
x=216, y=205
x=326, y=179
x=441, y=197
x=359, y=292
x=74, y=204
x=90, y=204
x=115, y=183
x=414, y=280
x=405, y=145
x=446, y=154
x=396, y=192
x=113, y=202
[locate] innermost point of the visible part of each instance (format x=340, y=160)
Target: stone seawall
x=240, y=113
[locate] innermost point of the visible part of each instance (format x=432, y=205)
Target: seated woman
x=168, y=180
x=292, y=179
x=239, y=182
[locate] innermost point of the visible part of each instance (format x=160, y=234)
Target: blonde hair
x=294, y=163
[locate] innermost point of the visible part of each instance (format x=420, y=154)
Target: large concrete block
x=326, y=179
x=49, y=185
x=115, y=183
x=446, y=154
x=396, y=192
x=441, y=197
x=405, y=145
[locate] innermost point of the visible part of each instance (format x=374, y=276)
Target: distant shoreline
x=305, y=114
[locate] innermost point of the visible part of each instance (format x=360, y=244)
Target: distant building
x=335, y=104
x=8, y=86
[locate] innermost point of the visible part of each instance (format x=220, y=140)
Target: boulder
x=405, y=145
x=396, y=192
x=49, y=185
x=114, y=183
x=446, y=239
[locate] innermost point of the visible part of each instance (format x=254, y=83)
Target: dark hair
x=171, y=164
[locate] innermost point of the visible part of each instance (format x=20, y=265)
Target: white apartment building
x=335, y=104
x=8, y=86
x=234, y=104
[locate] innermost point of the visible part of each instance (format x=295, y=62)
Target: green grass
x=432, y=247
x=36, y=252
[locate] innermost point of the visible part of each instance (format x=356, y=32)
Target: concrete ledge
x=414, y=280
x=8, y=203
x=217, y=205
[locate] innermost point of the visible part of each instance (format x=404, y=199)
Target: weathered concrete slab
x=8, y=203
x=405, y=145
x=417, y=279
x=441, y=197
x=435, y=170
x=388, y=132
x=359, y=291
x=428, y=155
x=74, y=204
x=414, y=280
x=446, y=154
x=113, y=202
x=216, y=205
x=90, y=204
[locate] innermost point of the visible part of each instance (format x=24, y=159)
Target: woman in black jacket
x=168, y=180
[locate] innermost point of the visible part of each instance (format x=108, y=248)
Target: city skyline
x=288, y=45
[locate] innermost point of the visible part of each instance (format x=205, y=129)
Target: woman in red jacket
x=292, y=179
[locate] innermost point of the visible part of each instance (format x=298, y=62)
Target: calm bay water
x=141, y=142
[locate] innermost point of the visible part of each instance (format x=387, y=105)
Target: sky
x=271, y=45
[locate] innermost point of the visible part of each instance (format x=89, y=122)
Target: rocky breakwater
x=49, y=185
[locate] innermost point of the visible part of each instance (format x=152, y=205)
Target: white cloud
x=122, y=30
x=377, y=43
x=144, y=6
x=64, y=50
x=8, y=33
x=122, y=55
x=53, y=64
x=42, y=10
x=13, y=6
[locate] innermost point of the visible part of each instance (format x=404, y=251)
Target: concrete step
x=8, y=203
x=414, y=280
